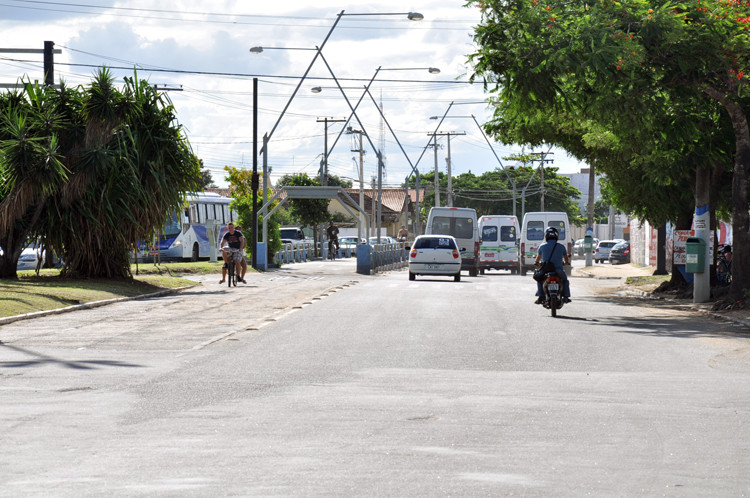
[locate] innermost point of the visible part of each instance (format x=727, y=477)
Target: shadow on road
x=39, y=359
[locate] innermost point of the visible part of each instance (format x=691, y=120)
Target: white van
x=461, y=223
x=532, y=235
x=498, y=246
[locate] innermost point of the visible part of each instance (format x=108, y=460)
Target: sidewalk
x=739, y=317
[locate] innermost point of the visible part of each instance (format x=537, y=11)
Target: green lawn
x=48, y=291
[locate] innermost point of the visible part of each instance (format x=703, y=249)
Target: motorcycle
x=552, y=299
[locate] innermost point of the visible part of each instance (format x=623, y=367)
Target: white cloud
x=188, y=37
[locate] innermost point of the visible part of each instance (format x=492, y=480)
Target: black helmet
x=551, y=234
x=727, y=248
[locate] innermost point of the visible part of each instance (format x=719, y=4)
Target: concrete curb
x=93, y=304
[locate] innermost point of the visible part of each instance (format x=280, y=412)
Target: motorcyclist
x=557, y=254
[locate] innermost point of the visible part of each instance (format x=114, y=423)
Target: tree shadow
x=687, y=322
x=38, y=359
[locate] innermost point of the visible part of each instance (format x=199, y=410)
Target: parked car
x=601, y=253
x=384, y=239
x=435, y=255
x=578, y=248
x=30, y=258
x=348, y=245
x=620, y=253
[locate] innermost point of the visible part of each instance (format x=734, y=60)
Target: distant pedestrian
x=403, y=234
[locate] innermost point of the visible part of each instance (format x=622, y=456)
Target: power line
x=131, y=12
x=242, y=75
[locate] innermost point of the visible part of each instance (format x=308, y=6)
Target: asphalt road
x=314, y=381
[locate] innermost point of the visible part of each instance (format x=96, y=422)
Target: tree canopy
x=651, y=94
x=91, y=171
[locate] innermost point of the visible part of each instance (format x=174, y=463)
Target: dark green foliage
x=91, y=171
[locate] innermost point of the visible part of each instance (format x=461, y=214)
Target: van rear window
x=489, y=234
x=535, y=230
x=461, y=228
x=508, y=234
x=560, y=225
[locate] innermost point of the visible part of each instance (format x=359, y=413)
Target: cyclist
x=232, y=244
x=332, y=232
x=556, y=254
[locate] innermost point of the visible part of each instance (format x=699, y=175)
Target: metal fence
x=296, y=253
x=383, y=257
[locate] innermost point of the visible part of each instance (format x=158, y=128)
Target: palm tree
x=122, y=166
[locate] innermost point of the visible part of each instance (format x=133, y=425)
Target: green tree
x=117, y=164
x=309, y=212
x=628, y=67
x=206, y=180
x=240, y=181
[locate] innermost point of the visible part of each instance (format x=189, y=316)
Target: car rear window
x=489, y=234
x=434, y=243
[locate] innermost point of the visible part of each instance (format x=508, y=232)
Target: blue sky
x=203, y=47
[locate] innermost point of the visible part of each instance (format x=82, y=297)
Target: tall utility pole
x=542, y=161
x=254, y=183
x=324, y=166
x=49, y=60
x=434, y=146
x=361, y=179
x=449, y=134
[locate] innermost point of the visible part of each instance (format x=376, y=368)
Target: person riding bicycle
x=332, y=232
x=557, y=254
x=232, y=244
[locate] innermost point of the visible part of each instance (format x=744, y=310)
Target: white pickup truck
x=293, y=235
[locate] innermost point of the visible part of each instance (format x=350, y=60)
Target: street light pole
x=412, y=16
x=353, y=109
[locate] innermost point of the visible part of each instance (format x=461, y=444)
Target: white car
x=348, y=244
x=435, y=255
x=601, y=253
x=384, y=239
x=29, y=258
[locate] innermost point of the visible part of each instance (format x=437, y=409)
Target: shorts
x=235, y=254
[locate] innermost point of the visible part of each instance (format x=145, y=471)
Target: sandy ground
x=645, y=291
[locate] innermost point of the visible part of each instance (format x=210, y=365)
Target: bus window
x=194, y=214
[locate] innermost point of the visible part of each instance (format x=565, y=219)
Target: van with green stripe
x=498, y=248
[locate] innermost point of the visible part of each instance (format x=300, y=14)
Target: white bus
x=186, y=236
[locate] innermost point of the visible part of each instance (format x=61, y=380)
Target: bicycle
x=333, y=249
x=232, y=269
x=723, y=270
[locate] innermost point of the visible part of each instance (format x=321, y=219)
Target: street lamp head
x=434, y=117
x=256, y=50
x=414, y=16
x=316, y=89
x=434, y=70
